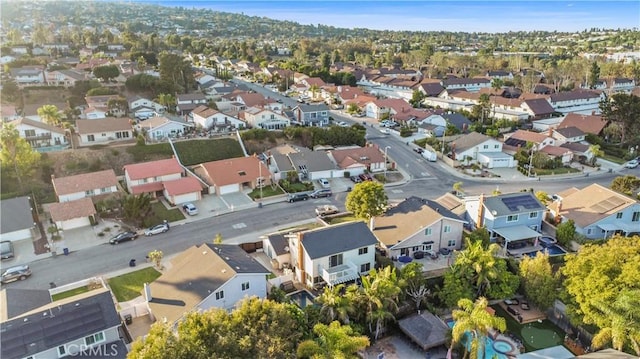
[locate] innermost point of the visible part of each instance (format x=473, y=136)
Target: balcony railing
x=42, y=136
x=340, y=274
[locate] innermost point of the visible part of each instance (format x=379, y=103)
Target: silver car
x=15, y=273
x=157, y=229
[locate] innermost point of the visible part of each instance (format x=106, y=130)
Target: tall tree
x=414, y=283
x=496, y=85
x=176, y=70
x=623, y=109
x=137, y=208
x=106, y=72
x=333, y=341
x=379, y=297
x=473, y=318
x=594, y=75
x=367, y=200
x=17, y=155
x=628, y=184
x=624, y=318
x=335, y=304
x=539, y=282
x=50, y=114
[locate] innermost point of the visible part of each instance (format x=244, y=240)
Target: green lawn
x=70, y=293
x=129, y=286
x=555, y=171
x=613, y=159
x=160, y=213
x=190, y=152
x=534, y=335
x=341, y=219
x=267, y=191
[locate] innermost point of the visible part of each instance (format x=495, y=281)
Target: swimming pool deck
x=528, y=316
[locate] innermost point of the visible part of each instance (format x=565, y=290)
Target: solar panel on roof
x=525, y=201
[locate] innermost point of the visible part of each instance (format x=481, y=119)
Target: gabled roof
x=183, y=185
x=364, y=155
x=458, y=120
x=591, y=204
x=84, y=182
x=58, y=323
x=37, y=124
x=109, y=124
x=252, y=99
x=234, y=170
x=452, y=203
x=569, y=132
x=159, y=121
x=64, y=211
x=525, y=136
x=158, y=168
x=586, y=123
x=397, y=104
x=311, y=161
x=407, y=218
x=194, y=275
x=555, y=150
x=470, y=140
x=191, y=97
x=15, y=214
x=326, y=241
x=17, y=301
x=465, y=81
x=576, y=146
x=313, y=108
x=573, y=95
x=204, y=111
x=539, y=106
x=512, y=203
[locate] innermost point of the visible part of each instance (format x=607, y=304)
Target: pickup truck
x=326, y=210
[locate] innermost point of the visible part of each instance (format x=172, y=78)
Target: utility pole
x=530, y=162
x=385, y=162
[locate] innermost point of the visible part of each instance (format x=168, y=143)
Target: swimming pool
x=492, y=348
x=302, y=298
x=552, y=249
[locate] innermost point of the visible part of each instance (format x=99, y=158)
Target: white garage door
x=16, y=236
x=187, y=197
x=229, y=189
x=320, y=174
x=74, y=223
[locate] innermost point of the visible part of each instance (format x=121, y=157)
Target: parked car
x=295, y=197
x=631, y=164
x=15, y=273
x=321, y=193
x=343, y=124
x=324, y=183
x=157, y=229
x=418, y=150
x=355, y=179
x=326, y=210
x=6, y=250
x=190, y=208
x=366, y=177
x=123, y=237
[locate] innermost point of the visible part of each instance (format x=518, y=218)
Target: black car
x=123, y=237
x=6, y=250
x=295, y=197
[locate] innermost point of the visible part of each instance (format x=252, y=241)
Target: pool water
x=302, y=298
x=492, y=349
x=552, y=249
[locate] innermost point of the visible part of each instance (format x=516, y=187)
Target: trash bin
x=128, y=319
x=65, y=251
x=259, y=204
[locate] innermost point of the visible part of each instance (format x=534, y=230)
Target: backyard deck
x=516, y=311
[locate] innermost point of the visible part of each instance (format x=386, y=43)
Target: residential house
x=431, y=89
x=185, y=103
x=204, y=277
x=499, y=74
x=385, y=108
x=537, y=108
x=9, y=113
x=581, y=151
x=263, y=118
x=102, y=131
x=357, y=160
x=6, y=59
x=592, y=124
x=622, y=84
x=279, y=163
x=568, y=134
x=143, y=108
x=72, y=214
x=510, y=217
x=565, y=155
x=159, y=128
x=418, y=225
x=597, y=211
x=523, y=138
x=332, y=255
x=147, y=177
x=65, y=78
x=41, y=136
x=276, y=247
x=312, y=115
x=578, y=101
x=183, y=190
x=481, y=149
x=468, y=84
x=100, y=104
x=313, y=165
x=86, y=325
x=209, y=118
x=234, y=174
x=28, y=75
x=457, y=120
x=348, y=93
x=92, y=113
x=90, y=184
x=17, y=222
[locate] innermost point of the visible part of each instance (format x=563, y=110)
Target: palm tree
x=595, y=152
x=496, y=84
x=50, y=114
x=482, y=261
x=380, y=292
x=166, y=100
x=624, y=328
x=333, y=341
x=334, y=304
x=473, y=318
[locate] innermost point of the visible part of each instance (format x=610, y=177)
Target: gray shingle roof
x=470, y=140
x=237, y=258
x=16, y=214
x=569, y=132
x=311, y=161
x=498, y=205
x=16, y=301
x=331, y=240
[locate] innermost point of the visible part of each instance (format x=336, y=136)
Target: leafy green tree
x=379, y=296
x=367, y=200
x=176, y=70
x=566, y=232
x=119, y=104
x=624, y=317
x=473, y=318
x=416, y=98
x=333, y=341
x=543, y=197
x=106, y=72
x=167, y=100
x=481, y=235
x=457, y=187
x=537, y=278
x=17, y=155
x=414, y=283
x=496, y=85
x=623, y=109
x=335, y=304
x=50, y=114
x=597, y=275
x=156, y=257
x=627, y=184
x=596, y=152
x=594, y=75
x=136, y=209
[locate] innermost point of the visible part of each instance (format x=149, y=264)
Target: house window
x=104, y=135
x=363, y=250
x=533, y=215
x=485, y=147
x=365, y=267
x=447, y=229
x=245, y=286
x=220, y=295
x=635, y=217
x=242, y=173
x=426, y=247
x=427, y=232
x=105, y=190
x=335, y=260
x=91, y=138
x=589, y=231
x=62, y=351
x=619, y=215
x=89, y=192
x=496, y=146
x=451, y=243
x=512, y=218
x=30, y=133
x=96, y=338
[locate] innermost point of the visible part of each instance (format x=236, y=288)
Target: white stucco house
x=147, y=177
x=16, y=222
x=101, y=131
x=84, y=185
x=41, y=136
x=481, y=149
x=160, y=127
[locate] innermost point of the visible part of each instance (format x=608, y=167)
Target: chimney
x=147, y=293
x=303, y=278
x=480, y=219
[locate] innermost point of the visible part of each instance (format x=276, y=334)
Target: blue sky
x=424, y=15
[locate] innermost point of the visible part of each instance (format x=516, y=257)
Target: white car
x=190, y=208
x=324, y=183
x=343, y=124
x=157, y=229
x=631, y=164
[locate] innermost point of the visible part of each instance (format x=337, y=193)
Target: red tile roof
x=234, y=170
x=73, y=209
x=147, y=188
x=586, y=123
x=182, y=186
x=363, y=155
x=153, y=169
x=84, y=182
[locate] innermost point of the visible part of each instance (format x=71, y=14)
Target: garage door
x=229, y=189
x=74, y=223
x=187, y=197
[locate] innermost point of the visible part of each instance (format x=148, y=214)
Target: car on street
x=366, y=177
x=190, y=209
x=355, y=179
x=326, y=210
x=15, y=273
x=324, y=183
x=123, y=237
x=385, y=131
x=157, y=229
x=631, y=164
x=6, y=250
x=419, y=150
x=295, y=197
x=325, y=192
